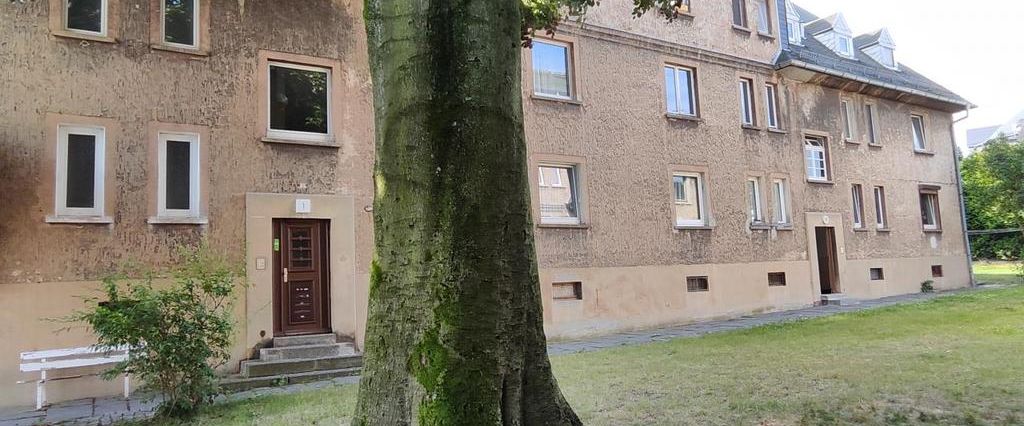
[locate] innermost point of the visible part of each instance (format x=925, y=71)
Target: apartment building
x=748, y=156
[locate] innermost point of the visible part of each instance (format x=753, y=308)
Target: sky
x=975, y=48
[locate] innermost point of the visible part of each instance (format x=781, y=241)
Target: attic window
x=844, y=45
x=886, y=57
x=796, y=32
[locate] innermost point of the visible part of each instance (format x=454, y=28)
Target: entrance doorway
x=828, y=261
x=301, y=281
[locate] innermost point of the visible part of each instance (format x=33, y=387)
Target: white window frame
x=194, y=175
x=846, y=114
x=293, y=134
x=195, y=28
x=747, y=101
x=881, y=218
x=818, y=146
x=99, y=171
x=702, y=219
x=764, y=17
x=933, y=209
x=691, y=89
x=796, y=32
x=540, y=177
x=887, y=54
x=857, y=192
x=779, y=191
x=920, y=141
x=847, y=45
x=757, y=215
x=871, y=114
x=104, y=9
x=570, y=72
x=771, y=96
x=573, y=188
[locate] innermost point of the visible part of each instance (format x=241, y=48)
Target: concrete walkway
x=104, y=411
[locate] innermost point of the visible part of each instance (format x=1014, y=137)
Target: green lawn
x=956, y=360
x=998, y=272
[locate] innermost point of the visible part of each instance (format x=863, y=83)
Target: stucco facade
x=630, y=258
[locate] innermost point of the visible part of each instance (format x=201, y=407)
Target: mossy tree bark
x=455, y=330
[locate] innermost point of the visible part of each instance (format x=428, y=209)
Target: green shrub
x=927, y=286
x=181, y=331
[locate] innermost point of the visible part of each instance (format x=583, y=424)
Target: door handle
x=285, y=278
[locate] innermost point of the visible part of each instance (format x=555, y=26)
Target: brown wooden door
x=301, y=298
x=828, y=262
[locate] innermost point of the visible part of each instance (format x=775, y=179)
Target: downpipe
x=960, y=196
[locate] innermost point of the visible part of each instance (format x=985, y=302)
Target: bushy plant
x=927, y=286
x=179, y=332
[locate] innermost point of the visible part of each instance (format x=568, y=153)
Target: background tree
x=455, y=330
x=994, y=197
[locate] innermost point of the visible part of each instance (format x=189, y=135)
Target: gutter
x=848, y=76
x=960, y=195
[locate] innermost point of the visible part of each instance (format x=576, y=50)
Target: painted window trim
x=847, y=42
x=848, y=120
x=747, y=114
x=881, y=216
x=570, y=69
x=195, y=174
x=771, y=94
x=768, y=27
x=781, y=196
x=923, y=135
x=702, y=211
x=104, y=20
x=871, y=114
x=744, y=19
x=293, y=135
x=758, y=198
x=936, y=209
x=823, y=148
x=857, y=200
x=692, y=89
x=99, y=169
x=574, y=188
x=196, y=16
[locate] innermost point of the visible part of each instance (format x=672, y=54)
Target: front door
x=828, y=262
x=301, y=284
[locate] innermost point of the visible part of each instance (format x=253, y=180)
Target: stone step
x=311, y=339
x=307, y=351
x=264, y=368
x=239, y=383
x=838, y=299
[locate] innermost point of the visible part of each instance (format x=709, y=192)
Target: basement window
x=776, y=279
x=936, y=271
x=697, y=284
x=572, y=290
x=877, y=274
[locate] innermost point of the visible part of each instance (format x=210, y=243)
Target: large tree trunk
x=455, y=330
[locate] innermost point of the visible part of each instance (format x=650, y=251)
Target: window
x=871, y=116
x=754, y=213
x=849, y=128
x=886, y=57
x=80, y=171
x=917, y=124
x=844, y=45
x=180, y=22
x=930, y=209
x=936, y=271
x=771, y=105
x=86, y=16
x=679, y=90
x=552, y=69
x=776, y=279
x=780, y=210
x=559, y=203
x=858, y=207
x=178, y=184
x=747, y=100
x=816, y=159
x=689, y=199
x=764, y=22
x=682, y=7
x=796, y=31
x=299, y=102
x=739, y=13
x=697, y=284
x=877, y=274
x=567, y=291
x=881, y=217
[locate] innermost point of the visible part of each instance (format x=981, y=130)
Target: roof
x=805, y=15
x=815, y=56
x=821, y=25
x=881, y=36
x=978, y=137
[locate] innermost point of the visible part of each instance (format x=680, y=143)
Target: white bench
x=60, y=359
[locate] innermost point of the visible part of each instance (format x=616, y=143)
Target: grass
x=954, y=360
x=994, y=272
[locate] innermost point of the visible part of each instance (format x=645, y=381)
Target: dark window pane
x=81, y=189
x=85, y=15
x=179, y=175
x=298, y=100
x=179, y=21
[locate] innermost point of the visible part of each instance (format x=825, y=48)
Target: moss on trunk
x=455, y=330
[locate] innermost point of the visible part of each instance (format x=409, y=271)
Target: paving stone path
x=105, y=411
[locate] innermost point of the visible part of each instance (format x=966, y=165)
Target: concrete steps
x=297, y=359
x=307, y=351
x=237, y=383
x=838, y=299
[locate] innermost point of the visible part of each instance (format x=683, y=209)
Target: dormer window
x=885, y=56
x=844, y=45
x=834, y=33
x=880, y=47
x=793, y=26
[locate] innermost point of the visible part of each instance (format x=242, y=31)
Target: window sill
x=767, y=36
x=851, y=141
x=683, y=117
x=777, y=131
x=570, y=101
x=196, y=220
x=886, y=230
x=932, y=231
x=81, y=220
x=821, y=182
x=874, y=145
x=83, y=36
x=918, y=151
x=740, y=29
x=178, y=49
x=760, y=227
x=685, y=15
x=564, y=225
x=325, y=144
x=751, y=127
x=861, y=229
x=784, y=227
x=694, y=228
